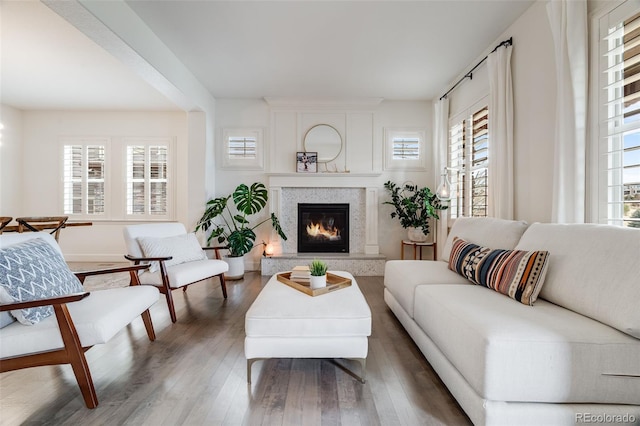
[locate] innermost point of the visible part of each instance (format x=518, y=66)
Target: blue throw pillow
x=34, y=270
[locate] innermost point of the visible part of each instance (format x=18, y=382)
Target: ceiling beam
x=117, y=29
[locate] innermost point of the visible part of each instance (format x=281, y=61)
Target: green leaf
x=276, y=225
x=241, y=242
x=250, y=200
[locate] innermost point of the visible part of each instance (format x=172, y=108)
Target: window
x=405, y=149
x=117, y=180
x=468, y=160
x=84, y=177
x=147, y=181
x=619, y=142
x=243, y=149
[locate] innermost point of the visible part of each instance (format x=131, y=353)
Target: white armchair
x=35, y=277
x=177, y=260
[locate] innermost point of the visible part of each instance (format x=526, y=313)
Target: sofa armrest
x=58, y=300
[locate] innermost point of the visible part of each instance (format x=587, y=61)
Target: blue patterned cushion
x=34, y=270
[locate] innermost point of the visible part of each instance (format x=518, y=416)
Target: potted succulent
x=234, y=228
x=414, y=207
x=318, y=271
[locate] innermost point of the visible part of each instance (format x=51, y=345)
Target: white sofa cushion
x=401, y=277
x=593, y=270
x=182, y=249
x=485, y=231
x=508, y=351
x=186, y=273
x=97, y=319
x=337, y=314
x=158, y=230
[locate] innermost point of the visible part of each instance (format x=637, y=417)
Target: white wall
x=534, y=93
x=11, y=160
x=364, y=148
x=41, y=174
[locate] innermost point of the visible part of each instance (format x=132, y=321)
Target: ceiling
x=397, y=50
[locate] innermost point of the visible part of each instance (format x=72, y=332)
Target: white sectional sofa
x=572, y=357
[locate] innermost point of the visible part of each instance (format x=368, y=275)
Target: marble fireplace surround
x=360, y=191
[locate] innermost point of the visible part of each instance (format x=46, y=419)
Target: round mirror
x=325, y=140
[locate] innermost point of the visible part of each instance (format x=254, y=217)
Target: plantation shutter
x=242, y=148
x=406, y=148
x=457, y=163
x=479, y=162
x=84, y=179
x=147, y=180
x=620, y=149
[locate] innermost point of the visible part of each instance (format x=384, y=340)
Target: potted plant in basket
x=318, y=271
x=414, y=207
x=234, y=229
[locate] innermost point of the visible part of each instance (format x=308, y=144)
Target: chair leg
x=223, y=285
x=75, y=354
x=172, y=308
x=148, y=325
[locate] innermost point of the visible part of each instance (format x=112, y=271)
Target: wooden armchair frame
x=166, y=285
x=73, y=351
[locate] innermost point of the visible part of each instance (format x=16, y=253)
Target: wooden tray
x=334, y=282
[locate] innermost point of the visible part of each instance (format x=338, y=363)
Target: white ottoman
x=285, y=323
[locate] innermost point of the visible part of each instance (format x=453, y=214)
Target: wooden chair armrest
x=217, y=250
x=83, y=274
x=57, y=300
x=146, y=259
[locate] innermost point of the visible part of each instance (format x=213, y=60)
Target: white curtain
x=441, y=138
x=500, y=185
x=568, y=20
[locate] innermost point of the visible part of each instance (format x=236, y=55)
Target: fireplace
x=323, y=228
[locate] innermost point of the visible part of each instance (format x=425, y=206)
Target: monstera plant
x=233, y=228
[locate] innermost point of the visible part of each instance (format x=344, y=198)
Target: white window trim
x=597, y=197
x=88, y=141
x=116, y=178
x=391, y=133
x=171, y=179
x=227, y=163
x=467, y=114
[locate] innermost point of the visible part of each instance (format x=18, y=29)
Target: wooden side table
x=417, y=248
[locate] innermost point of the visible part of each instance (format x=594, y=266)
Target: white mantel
x=323, y=180
x=366, y=181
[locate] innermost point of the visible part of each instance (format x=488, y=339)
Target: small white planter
x=236, y=268
x=318, y=282
x=416, y=234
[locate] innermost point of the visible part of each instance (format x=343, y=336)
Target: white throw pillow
x=184, y=248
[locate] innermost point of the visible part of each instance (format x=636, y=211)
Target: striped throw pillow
x=517, y=273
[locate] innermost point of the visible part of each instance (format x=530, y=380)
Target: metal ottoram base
x=360, y=378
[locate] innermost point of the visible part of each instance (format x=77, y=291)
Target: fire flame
x=316, y=230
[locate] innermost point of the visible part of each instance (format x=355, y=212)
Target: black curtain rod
x=469, y=75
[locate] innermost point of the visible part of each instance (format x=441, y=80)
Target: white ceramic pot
x=318, y=282
x=236, y=268
x=416, y=234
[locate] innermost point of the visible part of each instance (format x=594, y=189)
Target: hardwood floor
x=195, y=373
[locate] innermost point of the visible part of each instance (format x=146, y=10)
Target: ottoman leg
x=249, y=364
x=363, y=371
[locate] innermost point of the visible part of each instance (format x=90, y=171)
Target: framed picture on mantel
x=307, y=162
